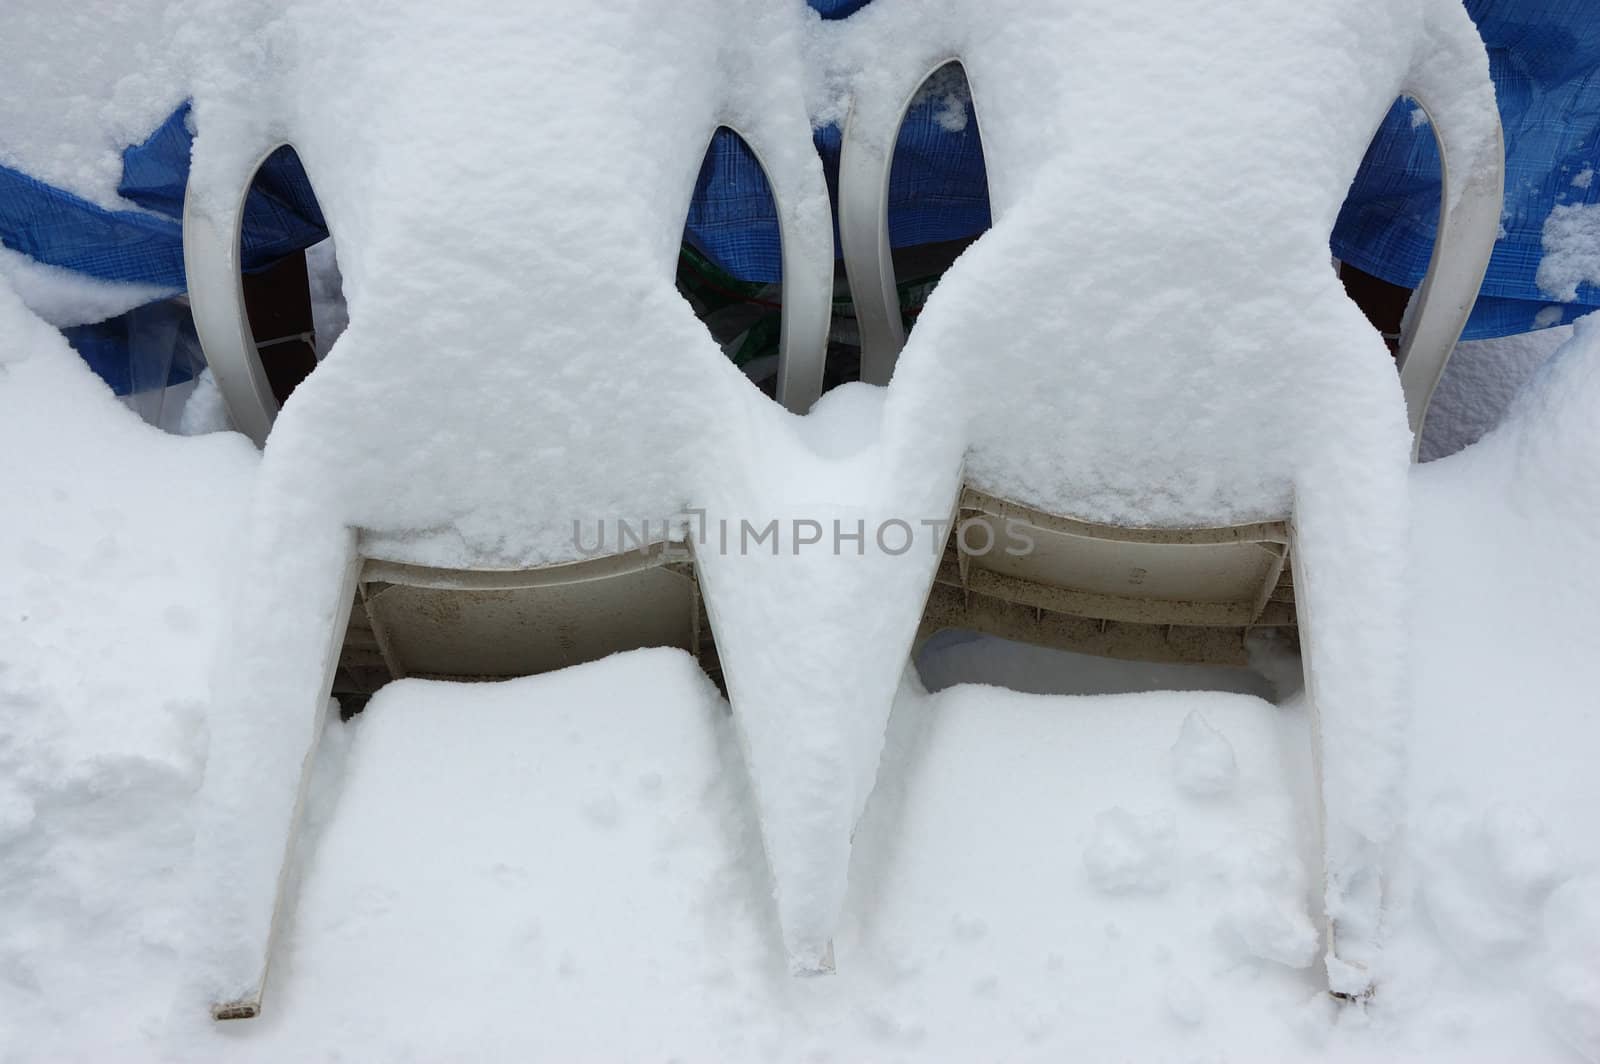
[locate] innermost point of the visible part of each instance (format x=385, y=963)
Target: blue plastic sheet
x=837, y=8
x=1544, y=56
x=146, y=246
x=148, y=348
x=938, y=191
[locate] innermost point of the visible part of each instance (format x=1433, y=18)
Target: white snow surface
x=570, y=867
x=111, y=550
x=65, y=297
x=1203, y=762
x=1571, y=240
x=80, y=82
x=1479, y=383
x=1029, y=875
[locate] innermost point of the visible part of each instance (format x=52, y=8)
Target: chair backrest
x=1236, y=160
x=577, y=190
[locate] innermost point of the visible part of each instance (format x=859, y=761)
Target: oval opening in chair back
x=938, y=187
x=730, y=264
x=291, y=284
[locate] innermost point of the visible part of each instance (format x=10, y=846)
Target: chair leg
x=271, y=680
x=1348, y=549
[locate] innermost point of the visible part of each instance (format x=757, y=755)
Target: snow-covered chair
x=450, y=463
x=1168, y=403
x=478, y=623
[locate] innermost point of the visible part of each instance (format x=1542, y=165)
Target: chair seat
x=1187, y=595
x=490, y=624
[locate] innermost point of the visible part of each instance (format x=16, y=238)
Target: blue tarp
x=938, y=191
x=152, y=346
x=56, y=227
x=1545, y=58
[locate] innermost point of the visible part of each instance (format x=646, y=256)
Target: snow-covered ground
x=569, y=866
x=1058, y=857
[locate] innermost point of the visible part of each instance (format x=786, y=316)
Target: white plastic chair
x=1159, y=593
x=373, y=600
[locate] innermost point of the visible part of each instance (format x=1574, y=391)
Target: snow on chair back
x=213, y=264
x=1148, y=363
x=1469, y=222
x=483, y=405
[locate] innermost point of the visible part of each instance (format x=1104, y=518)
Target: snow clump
x=1202, y=759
